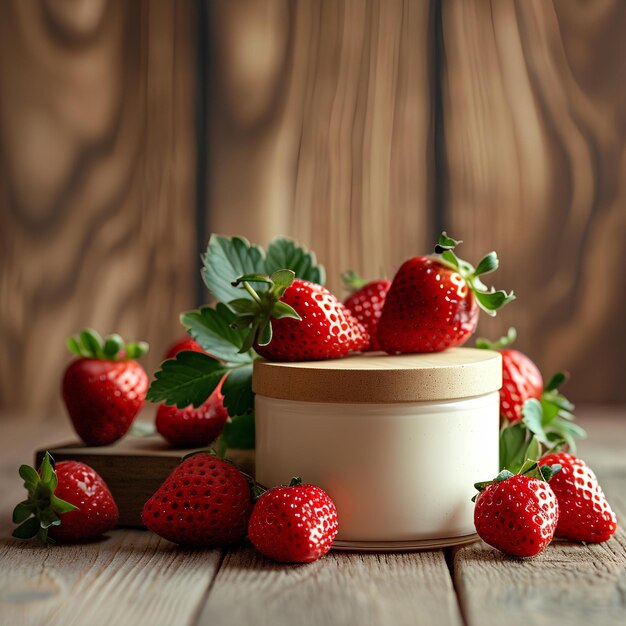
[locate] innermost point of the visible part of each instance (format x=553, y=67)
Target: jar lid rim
x=378, y=377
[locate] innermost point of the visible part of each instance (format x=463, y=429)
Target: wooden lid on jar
x=381, y=378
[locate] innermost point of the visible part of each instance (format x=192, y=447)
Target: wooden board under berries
x=133, y=468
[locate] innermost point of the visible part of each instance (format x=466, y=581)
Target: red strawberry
x=296, y=320
x=366, y=303
x=105, y=387
x=516, y=514
x=585, y=515
x=69, y=503
x=433, y=302
x=205, y=502
x=521, y=379
x=184, y=343
x=189, y=427
x=294, y=524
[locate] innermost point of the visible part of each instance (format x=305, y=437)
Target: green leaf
x=47, y=469
x=283, y=278
x=533, y=451
x=28, y=529
x=488, y=263
x=74, y=346
x=239, y=432
x=29, y=475
x=512, y=447
x=556, y=381
x=284, y=253
x=282, y=309
x=92, y=342
x=23, y=511
x=225, y=260
x=503, y=342
x=533, y=419
x=61, y=506
x=237, y=390
x=211, y=328
x=190, y=378
x=136, y=350
x=450, y=258
x=265, y=333
x=242, y=306
x=548, y=471
x=446, y=243
x=112, y=345
x=491, y=301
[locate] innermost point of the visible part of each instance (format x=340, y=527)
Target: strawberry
x=296, y=320
x=585, y=515
x=184, y=343
x=205, y=502
x=521, y=378
x=517, y=513
x=294, y=524
x=69, y=503
x=366, y=303
x=104, y=388
x=191, y=427
x=433, y=301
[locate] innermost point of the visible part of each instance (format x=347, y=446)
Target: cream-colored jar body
x=397, y=472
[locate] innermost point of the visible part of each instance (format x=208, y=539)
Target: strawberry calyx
x=42, y=508
x=262, y=306
x=488, y=299
x=352, y=281
x=530, y=468
x=504, y=342
x=89, y=344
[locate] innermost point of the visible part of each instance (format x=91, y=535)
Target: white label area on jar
x=396, y=472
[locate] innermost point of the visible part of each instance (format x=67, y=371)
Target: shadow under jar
x=396, y=441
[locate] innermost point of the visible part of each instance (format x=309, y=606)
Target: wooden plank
x=341, y=589
x=97, y=170
x=320, y=128
x=130, y=577
x=535, y=167
x=569, y=583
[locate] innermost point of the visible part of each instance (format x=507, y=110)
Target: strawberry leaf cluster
x=89, y=344
x=226, y=331
x=547, y=427
x=42, y=508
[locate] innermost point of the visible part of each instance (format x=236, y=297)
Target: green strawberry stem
x=42, y=508
x=257, y=313
x=488, y=299
x=89, y=344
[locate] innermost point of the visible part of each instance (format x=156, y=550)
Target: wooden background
x=131, y=130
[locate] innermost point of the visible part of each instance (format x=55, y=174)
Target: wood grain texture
x=342, y=589
x=535, y=167
x=320, y=128
x=129, y=577
x=568, y=583
x=133, y=578
x=96, y=180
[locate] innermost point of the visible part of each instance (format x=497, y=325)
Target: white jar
x=396, y=441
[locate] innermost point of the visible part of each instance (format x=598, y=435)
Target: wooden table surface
x=133, y=577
